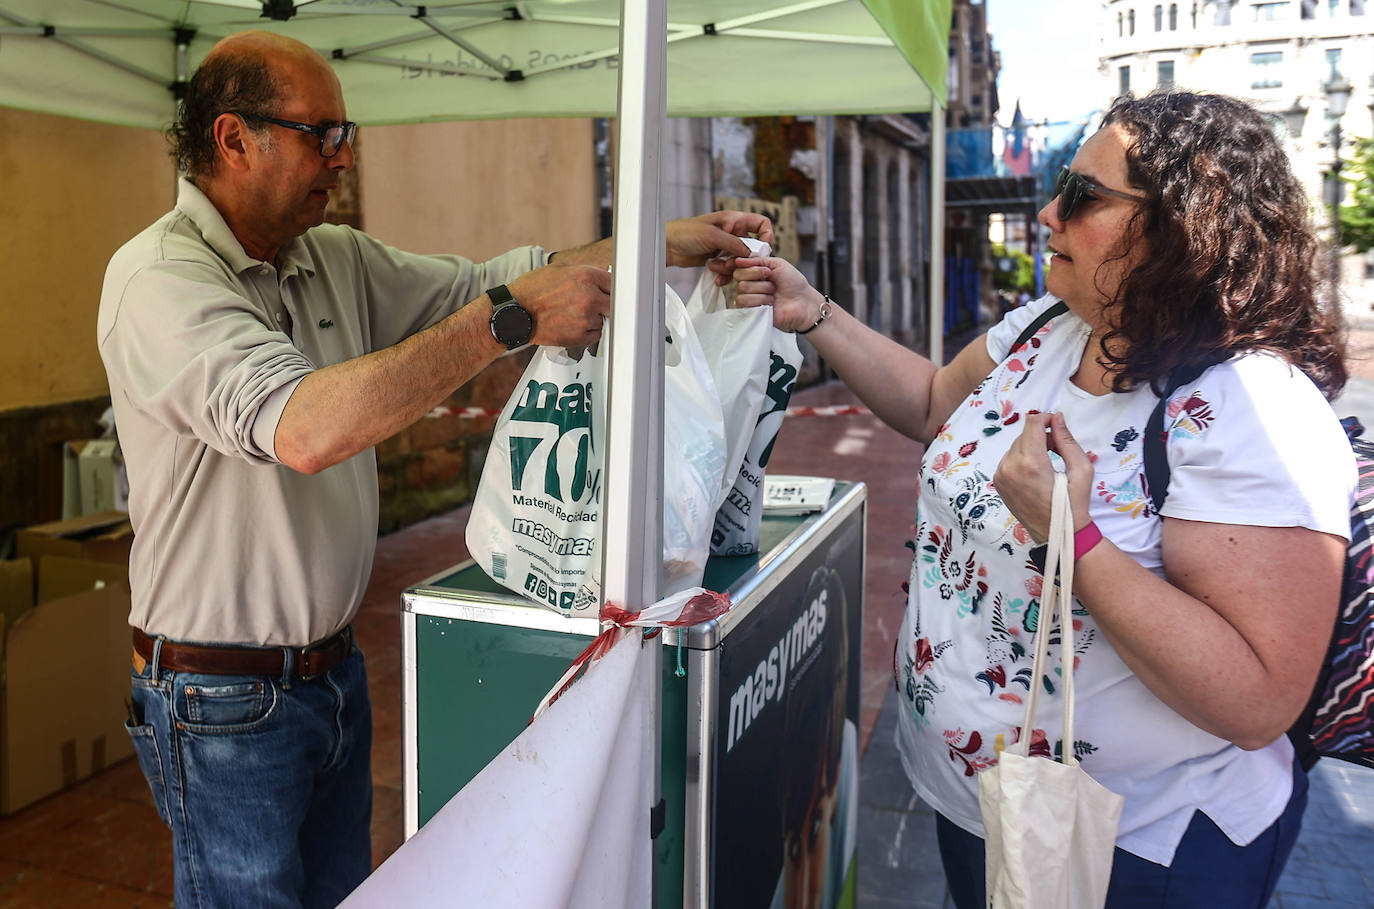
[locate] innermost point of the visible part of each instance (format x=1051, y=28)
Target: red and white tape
x=838, y=410
x=464, y=412
x=842, y=410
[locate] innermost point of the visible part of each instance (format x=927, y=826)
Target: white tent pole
x=632, y=546
x=632, y=522
x=937, y=234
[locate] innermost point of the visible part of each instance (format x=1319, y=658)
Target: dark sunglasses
x=1072, y=188
x=332, y=138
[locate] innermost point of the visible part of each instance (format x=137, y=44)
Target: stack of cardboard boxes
x=64, y=655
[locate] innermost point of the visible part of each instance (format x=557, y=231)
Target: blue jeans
x=1208, y=870
x=267, y=787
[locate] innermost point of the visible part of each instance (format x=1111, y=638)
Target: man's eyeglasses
x=1072, y=188
x=332, y=138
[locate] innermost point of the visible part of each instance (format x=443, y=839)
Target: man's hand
x=567, y=302
x=692, y=241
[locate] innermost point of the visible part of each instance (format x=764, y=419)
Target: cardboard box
x=98, y=467
x=71, y=479
x=66, y=676
x=17, y=589
x=102, y=537
x=93, y=477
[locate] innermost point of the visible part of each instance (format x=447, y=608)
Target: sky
x=1049, y=57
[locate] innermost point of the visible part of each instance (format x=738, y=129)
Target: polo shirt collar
x=196, y=206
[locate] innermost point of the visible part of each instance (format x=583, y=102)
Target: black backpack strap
x=1155, y=456
x=1058, y=309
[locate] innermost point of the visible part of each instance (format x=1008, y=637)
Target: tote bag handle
x=1055, y=598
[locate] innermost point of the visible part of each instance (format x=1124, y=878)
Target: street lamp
x=1294, y=117
x=1337, y=98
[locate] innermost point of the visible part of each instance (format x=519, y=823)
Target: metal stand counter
x=759, y=719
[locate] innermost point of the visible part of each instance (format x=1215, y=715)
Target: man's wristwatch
x=511, y=323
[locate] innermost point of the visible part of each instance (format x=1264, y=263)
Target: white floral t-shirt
x=1252, y=441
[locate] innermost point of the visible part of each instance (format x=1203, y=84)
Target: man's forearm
x=340, y=410
x=598, y=254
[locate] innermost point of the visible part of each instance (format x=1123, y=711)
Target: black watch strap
x=511, y=324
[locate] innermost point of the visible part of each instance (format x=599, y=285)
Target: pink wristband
x=1085, y=539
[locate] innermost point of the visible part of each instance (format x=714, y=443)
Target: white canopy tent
x=125, y=62
x=120, y=61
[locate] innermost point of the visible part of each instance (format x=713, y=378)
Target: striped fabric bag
x=1337, y=722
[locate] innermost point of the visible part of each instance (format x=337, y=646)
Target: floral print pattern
x=951, y=570
x=1191, y=415
x=956, y=576
x=972, y=572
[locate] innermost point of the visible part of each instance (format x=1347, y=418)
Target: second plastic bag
x=755, y=368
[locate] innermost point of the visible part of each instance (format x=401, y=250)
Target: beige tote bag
x=1051, y=828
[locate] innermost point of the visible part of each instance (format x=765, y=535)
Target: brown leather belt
x=306, y=662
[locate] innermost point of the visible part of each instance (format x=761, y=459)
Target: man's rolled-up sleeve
x=198, y=358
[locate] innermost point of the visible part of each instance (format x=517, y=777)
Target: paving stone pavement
x=898, y=861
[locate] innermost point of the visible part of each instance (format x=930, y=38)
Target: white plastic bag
x=1050, y=828
x=755, y=366
x=534, y=526
x=736, y=530
x=736, y=343
x=694, y=451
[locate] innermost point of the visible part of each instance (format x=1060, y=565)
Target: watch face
x=512, y=325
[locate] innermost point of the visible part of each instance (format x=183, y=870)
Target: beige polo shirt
x=203, y=345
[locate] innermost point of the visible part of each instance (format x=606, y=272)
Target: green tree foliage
x=1357, y=214
x=1013, y=269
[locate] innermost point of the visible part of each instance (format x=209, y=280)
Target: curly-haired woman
x=1180, y=236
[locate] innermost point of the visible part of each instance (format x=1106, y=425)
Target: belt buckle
x=303, y=655
x=302, y=662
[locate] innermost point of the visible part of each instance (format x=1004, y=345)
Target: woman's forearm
x=892, y=381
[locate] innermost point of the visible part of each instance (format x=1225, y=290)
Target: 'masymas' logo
x=789, y=658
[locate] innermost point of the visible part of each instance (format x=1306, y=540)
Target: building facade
x=1280, y=56
x=849, y=198
x=973, y=68
x=977, y=185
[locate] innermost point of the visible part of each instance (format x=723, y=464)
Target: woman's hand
x=769, y=281
x=1025, y=478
